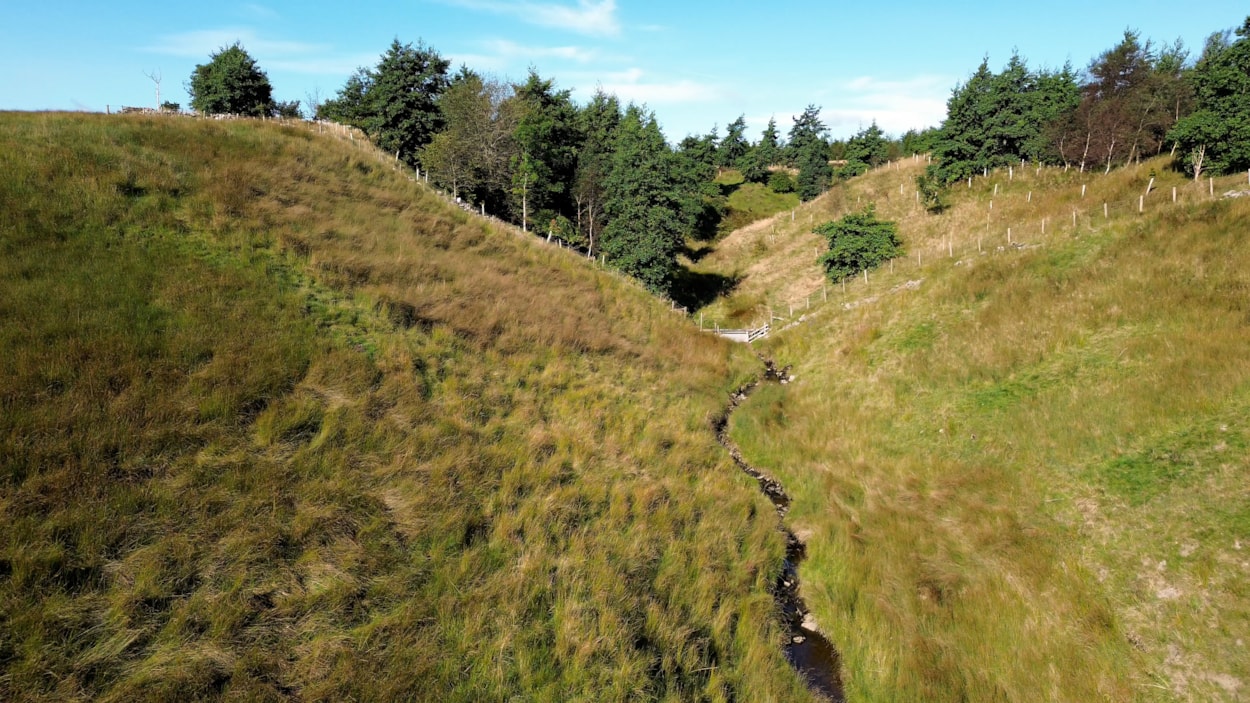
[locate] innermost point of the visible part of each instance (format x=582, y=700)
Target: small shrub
x=857, y=242
x=933, y=194
x=781, y=182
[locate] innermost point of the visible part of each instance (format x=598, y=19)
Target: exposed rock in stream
x=807, y=650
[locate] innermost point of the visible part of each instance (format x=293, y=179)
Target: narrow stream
x=807, y=650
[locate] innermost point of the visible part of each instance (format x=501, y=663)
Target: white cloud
x=322, y=65
x=593, y=17
x=260, y=11
x=271, y=54
x=630, y=86
x=201, y=43
x=504, y=49
x=895, y=105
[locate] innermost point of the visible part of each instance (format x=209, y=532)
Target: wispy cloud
x=632, y=85
x=202, y=42
x=259, y=11
x=505, y=49
x=895, y=105
x=323, y=65
x=272, y=54
x=593, y=17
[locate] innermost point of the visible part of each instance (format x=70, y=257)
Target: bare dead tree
x=313, y=100
x=155, y=76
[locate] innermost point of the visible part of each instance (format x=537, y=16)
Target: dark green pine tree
x=644, y=204
x=395, y=103
x=735, y=145
x=754, y=165
x=867, y=149
x=961, y=150
x=231, y=83
x=769, y=147
x=810, y=153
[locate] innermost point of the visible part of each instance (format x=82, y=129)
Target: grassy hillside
x=749, y=202
x=278, y=423
x=1022, y=466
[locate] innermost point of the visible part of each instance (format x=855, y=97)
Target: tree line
x=601, y=176
x=1134, y=100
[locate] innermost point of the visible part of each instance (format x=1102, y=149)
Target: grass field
x=1020, y=466
x=749, y=202
x=277, y=423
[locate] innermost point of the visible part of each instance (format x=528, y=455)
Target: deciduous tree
x=857, y=242
x=1216, y=137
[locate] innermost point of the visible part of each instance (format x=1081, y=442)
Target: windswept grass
x=1023, y=478
x=277, y=423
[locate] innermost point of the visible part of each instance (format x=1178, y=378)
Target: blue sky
x=695, y=64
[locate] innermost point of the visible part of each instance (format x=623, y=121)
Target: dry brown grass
x=279, y=423
x=1024, y=478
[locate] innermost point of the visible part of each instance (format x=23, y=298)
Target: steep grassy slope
x=1024, y=475
x=277, y=423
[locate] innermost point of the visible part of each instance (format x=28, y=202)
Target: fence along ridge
x=749, y=335
x=1005, y=240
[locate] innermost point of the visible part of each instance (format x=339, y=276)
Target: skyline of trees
x=602, y=175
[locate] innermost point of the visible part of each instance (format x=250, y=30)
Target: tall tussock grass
x=278, y=423
x=1024, y=474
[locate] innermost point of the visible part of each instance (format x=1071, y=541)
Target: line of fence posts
x=1012, y=240
x=344, y=129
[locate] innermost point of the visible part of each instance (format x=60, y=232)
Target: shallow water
x=808, y=651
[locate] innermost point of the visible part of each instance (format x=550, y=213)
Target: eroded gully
x=807, y=650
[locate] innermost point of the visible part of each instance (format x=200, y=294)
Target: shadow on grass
x=696, y=253
x=696, y=289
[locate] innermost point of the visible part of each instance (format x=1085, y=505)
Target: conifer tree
x=395, y=103
x=643, y=203
x=810, y=153
x=734, y=146
x=231, y=83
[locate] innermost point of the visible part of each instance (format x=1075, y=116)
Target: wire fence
x=1009, y=228
x=1006, y=231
